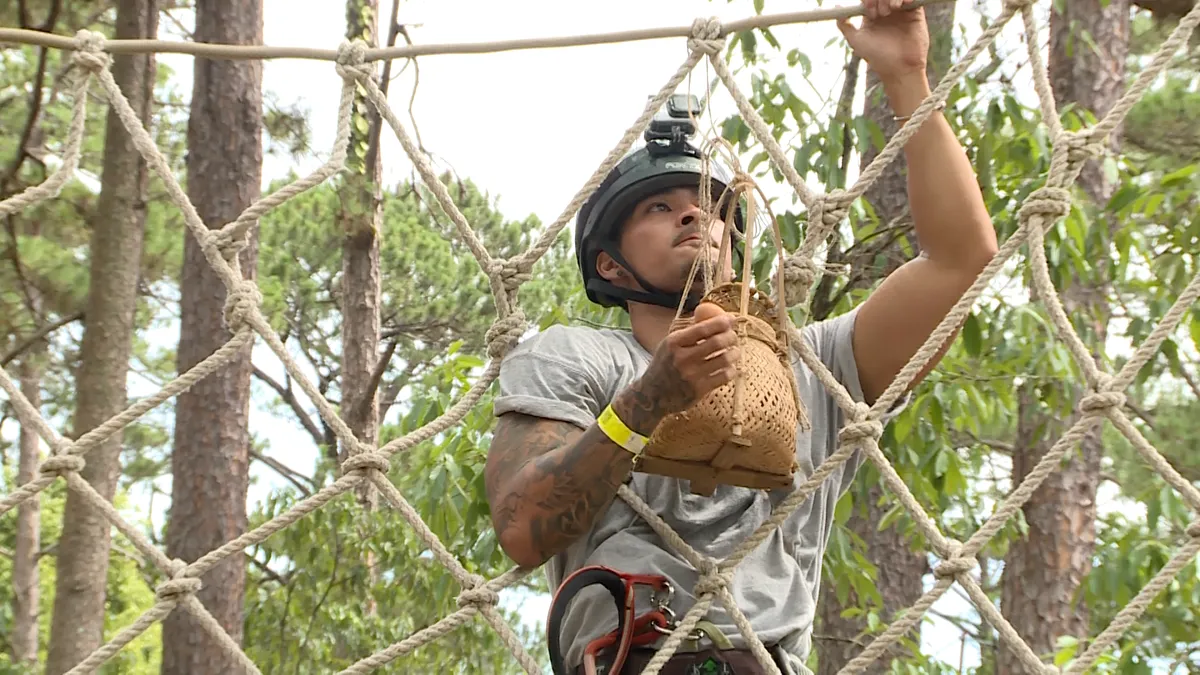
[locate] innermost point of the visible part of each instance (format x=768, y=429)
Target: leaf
x=972, y=335
x=902, y=426
x=941, y=464
x=1179, y=177
x=1123, y=198
x=937, y=416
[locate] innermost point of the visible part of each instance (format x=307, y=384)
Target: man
x=554, y=467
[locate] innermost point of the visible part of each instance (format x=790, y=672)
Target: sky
x=529, y=127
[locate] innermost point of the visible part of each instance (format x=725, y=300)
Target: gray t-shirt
x=571, y=373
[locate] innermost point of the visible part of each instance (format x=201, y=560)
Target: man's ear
x=608, y=268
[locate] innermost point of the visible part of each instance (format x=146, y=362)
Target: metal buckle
x=662, y=602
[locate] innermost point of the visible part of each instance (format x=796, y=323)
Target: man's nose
x=689, y=216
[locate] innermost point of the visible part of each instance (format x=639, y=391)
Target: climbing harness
x=632, y=630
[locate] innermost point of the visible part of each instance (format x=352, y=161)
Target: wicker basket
x=742, y=433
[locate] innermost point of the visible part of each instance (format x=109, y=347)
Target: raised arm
x=547, y=481
x=952, y=224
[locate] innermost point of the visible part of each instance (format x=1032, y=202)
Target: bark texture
x=900, y=567
x=361, y=213
x=212, y=442
x=24, y=637
x=77, y=627
x=1045, y=570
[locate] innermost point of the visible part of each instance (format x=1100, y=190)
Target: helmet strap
x=652, y=295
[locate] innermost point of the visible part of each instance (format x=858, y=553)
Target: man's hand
x=689, y=363
x=893, y=38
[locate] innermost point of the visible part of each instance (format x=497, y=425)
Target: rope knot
x=830, y=209
x=367, y=461
x=1193, y=530
x=955, y=564
x=799, y=273
x=505, y=333
x=174, y=589
x=1051, y=202
x=480, y=595
x=61, y=465
x=229, y=242
x=351, y=60
x=1102, y=401
x=1103, y=398
x=708, y=36
x=860, y=427
x=712, y=579
x=89, y=51
x=242, y=301
x=1081, y=147
x=511, y=273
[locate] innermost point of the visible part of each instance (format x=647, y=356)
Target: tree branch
x=35, y=99
x=294, y=477
x=835, y=638
x=385, y=79
x=1191, y=381
x=19, y=270
x=270, y=573
x=968, y=629
x=42, y=332
x=376, y=376
x=1166, y=9
x=289, y=397
x=844, y=111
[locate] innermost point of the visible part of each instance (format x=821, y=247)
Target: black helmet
x=662, y=164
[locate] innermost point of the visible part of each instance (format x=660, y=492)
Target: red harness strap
x=632, y=630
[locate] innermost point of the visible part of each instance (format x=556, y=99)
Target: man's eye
x=657, y=205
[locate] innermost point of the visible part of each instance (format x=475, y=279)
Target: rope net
x=479, y=596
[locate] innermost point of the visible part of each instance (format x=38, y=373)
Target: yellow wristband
x=615, y=429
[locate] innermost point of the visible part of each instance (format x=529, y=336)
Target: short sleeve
x=554, y=375
x=832, y=341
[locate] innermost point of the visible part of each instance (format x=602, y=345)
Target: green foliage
x=129, y=592
x=308, y=612
x=951, y=445
x=433, y=291
x=436, y=307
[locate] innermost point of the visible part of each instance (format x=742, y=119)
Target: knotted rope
x=708, y=37
x=860, y=433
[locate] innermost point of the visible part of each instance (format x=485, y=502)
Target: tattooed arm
x=548, y=480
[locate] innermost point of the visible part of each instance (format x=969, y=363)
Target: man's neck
x=651, y=323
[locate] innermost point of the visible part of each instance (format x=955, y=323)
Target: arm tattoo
x=547, y=482
x=661, y=390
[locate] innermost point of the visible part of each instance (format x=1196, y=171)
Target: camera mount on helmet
x=672, y=127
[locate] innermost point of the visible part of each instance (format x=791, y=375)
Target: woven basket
x=742, y=433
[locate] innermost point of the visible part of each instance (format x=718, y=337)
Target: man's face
x=662, y=238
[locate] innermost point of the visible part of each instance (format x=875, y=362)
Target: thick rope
x=1104, y=399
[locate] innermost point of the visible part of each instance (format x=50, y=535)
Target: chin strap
x=651, y=296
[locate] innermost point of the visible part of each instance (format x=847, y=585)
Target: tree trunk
x=210, y=461
x=77, y=626
x=24, y=638
x=361, y=211
x=1044, y=571
x=900, y=567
